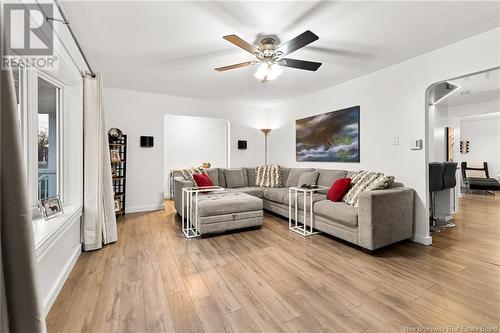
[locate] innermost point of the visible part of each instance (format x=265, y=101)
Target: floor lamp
x=266, y=132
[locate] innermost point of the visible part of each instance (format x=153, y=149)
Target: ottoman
x=222, y=211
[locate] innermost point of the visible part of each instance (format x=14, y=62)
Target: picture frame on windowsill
x=50, y=207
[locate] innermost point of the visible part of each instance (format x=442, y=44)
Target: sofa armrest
x=179, y=184
x=385, y=217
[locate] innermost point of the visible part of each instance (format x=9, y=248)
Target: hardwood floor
x=272, y=280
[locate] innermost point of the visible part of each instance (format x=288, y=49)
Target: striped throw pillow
x=365, y=181
x=189, y=172
x=268, y=176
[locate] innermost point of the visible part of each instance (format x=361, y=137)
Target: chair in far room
x=476, y=176
x=436, y=183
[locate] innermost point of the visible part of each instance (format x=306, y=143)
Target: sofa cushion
x=250, y=176
x=275, y=194
x=189, y=172
x=339, y=212
x=308, y=178
x=351, y=174
x=328, y=177
x=214, y=175
x=366, y=181
x=300, y=199
x=219, y=203
x=235, y=177
x=222, y=178
x=284, y=175
x=202, y=180
x=294, y=175
x=253, y=190
x=339, y=188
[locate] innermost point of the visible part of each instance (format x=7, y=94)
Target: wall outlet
x=395, y=140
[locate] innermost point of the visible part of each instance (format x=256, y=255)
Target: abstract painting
x=329, y=137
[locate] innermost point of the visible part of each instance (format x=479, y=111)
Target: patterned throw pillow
x=268, y=176
x=365, y=181
x=189, y=172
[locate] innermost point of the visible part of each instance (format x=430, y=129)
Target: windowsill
x=46, y=232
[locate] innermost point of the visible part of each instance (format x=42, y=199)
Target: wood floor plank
x=240, y=322
x=212, y=319
x=158, y=315
x=107, y=312
x=184, y=314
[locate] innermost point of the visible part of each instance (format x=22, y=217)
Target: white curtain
x=20, y=309
x=99, y=221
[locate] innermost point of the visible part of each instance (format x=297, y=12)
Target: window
x=48, y=139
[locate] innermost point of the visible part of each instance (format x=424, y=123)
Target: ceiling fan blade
x=298, y=42
x=300, y=64
x=243, y=64
x=242, y=44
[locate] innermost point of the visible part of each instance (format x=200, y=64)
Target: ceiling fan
x=271, y=57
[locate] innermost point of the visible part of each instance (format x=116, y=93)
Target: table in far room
x=307, y=197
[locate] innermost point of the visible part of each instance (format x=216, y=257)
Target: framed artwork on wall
x=329, y=137
x=450, y=144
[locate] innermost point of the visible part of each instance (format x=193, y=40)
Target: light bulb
x=262, y=71
x=275, y=71
x=267, y=72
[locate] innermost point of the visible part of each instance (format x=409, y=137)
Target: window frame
x=31, y=135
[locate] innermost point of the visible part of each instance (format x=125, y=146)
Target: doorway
x=464, y=128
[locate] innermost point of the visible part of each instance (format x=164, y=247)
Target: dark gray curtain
x=20, y=306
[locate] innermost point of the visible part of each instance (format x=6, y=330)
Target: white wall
x=393, y=103
x=491, y=106
x=483, y=132
x=438, y=140
x=191, y=141
x=139, y=113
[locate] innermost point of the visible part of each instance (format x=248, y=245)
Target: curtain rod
x=65, y=21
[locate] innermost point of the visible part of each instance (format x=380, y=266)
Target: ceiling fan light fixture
x=275, y=71
x=267, y=72
x=262, y=71
x=270, y=56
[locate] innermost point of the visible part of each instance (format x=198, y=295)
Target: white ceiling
x=476, y=88
x=172, y=47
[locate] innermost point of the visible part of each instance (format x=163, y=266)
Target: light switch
x=395, y=140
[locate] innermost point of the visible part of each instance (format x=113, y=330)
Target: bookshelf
x=118, y=151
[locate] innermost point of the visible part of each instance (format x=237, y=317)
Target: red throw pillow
x=339, y=188
x=202, y=180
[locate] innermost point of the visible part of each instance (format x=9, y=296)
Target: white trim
x=64, y=222
x=138, y=209
x=422, y=239
x=61, y=279
x=457, y=87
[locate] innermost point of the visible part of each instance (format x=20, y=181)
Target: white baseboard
x=138, y=209
x=61, y=279
x=421, y=239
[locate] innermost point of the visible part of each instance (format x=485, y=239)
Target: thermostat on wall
x=416, y=144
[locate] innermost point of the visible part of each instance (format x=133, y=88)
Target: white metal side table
x=305, y=229
x=190, y=224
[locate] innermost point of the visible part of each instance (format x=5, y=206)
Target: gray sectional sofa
x=382, y=217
